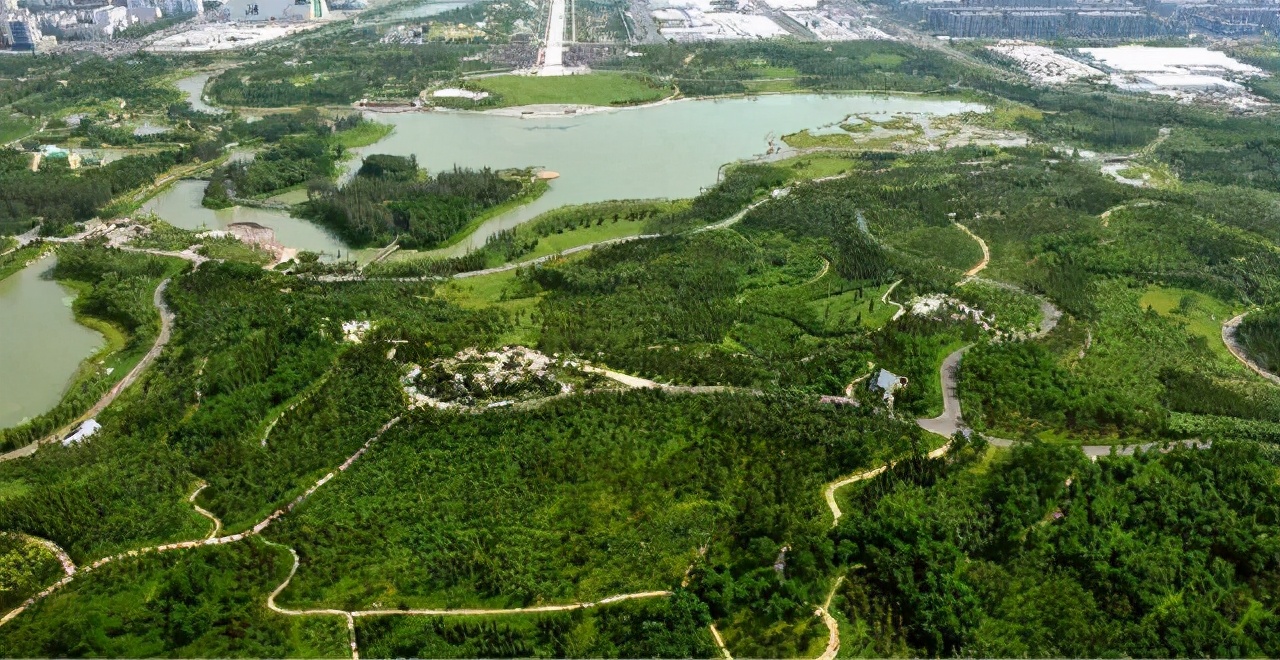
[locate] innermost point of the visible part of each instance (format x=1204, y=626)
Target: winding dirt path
x=217, y=523
x=68, y=568
x=1233, y=344
x=944, y=425
x=986, y=253
x=833, y=627
x=350, y=616
x=715, y=637
x=212, y=539
x=885, y=300
x=162, y=339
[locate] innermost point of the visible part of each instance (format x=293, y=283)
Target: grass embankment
x=605, y=89
x=504, y=291
x=18, y=259
x=363, y=135
x=13, y=128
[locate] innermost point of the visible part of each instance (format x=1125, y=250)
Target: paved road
x=1233, y=344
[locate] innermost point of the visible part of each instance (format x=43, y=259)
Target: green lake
x=42, y=344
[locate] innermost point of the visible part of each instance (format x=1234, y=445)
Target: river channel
x=42, y=343
x=193, y=87
x=179, y=205
x=670, y=150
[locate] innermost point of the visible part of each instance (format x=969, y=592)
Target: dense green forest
x=1040, y=552
x=202, y=603
x=657, y=628
x=391, y=199
x=59, y=197
x=26, y=567
x=581, y=499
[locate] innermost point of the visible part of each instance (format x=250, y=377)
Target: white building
x=276, y=10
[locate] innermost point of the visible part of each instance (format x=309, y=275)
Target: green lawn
x=816, y=166
x=14, y=127
x=590, y=89
x=843, y=310
x=558, y=242
x=501, y=291
x=1202, y=314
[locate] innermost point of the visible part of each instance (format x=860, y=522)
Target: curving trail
x=826, y=266
x=212, y=539
x=833, y=627
x=715, y=637
x=68, y=568
x=350, y=616
x=986, y=253
x=1229, y=338
x=217, y=523
x=637, y=382
x=944, y=425
x=885, y=300
x=166, y=332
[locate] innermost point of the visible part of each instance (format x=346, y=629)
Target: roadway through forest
x=1229, y=330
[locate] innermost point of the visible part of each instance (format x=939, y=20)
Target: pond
x=193, y=88
x=670, y=150
x=43, y=345
x=179, y=205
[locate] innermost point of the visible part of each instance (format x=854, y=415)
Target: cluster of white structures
x=1045, y=64
x=1185, y=73
x=695, y=23
x=833, y=24
x=456, y=93
x=476, y=377
x=940, y=305
x=353, y=332
x=207, y=37
x=710, y=20
x=1173, y=71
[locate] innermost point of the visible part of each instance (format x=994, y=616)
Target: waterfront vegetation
x=715, y=496
x=390, y=199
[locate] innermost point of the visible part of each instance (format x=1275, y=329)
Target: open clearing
x=606, y=89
